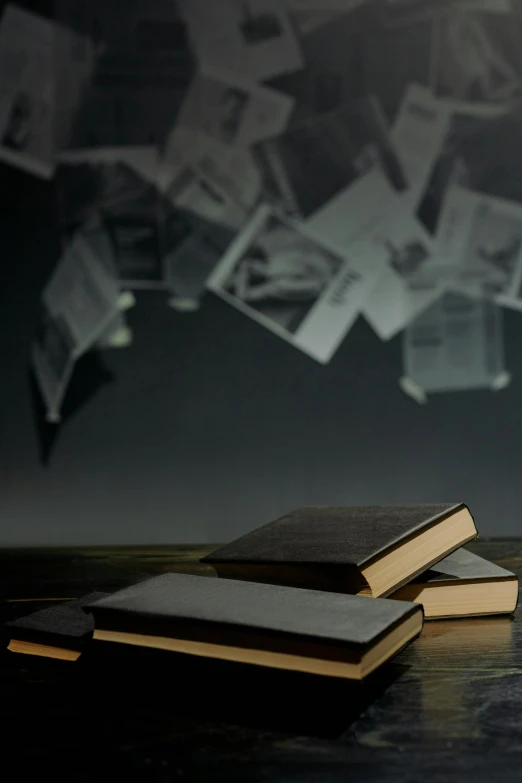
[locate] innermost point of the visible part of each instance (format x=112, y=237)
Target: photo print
x=283, y=277
x=44, y=68
x=480, y=244
x=255, y=38
x=495, y=245
x=231, y=111
x=408, y=283
x=455, y=345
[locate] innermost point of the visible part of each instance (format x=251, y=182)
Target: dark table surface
x=447, y=708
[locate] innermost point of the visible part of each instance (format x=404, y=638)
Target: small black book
x=59, y=631
x=267, y=625
x=368, y=550
x=463, y=585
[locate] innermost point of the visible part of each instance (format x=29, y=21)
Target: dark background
x=213, y=425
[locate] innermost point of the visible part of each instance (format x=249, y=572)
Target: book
x=266, y=625
x=367, y=550
x=461, y=585
x=59, y=631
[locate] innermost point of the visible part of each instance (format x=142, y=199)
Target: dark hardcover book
x=266, y=625
x=58, y=631
x=369, y=550
x=461, y=585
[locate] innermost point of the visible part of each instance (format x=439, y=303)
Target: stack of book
x=332, y=591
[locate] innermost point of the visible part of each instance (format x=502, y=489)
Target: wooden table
x=447, y=708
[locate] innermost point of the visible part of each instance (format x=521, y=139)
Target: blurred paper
x=418, y=133
x=314, y=161
x=356, y=212
x=396, y=12
x=78, y=304
x=470, y=64
x=405, y=286
x=226, y=108
x=88, y=377
x=455, y=345
x=43, y=70
x=200, y=193
x=144, y=160
x=233, y=169
x=480, y=244
x=454, y=163
x=282, y=276
x=253, y=38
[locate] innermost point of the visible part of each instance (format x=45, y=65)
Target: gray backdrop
x=213, y=425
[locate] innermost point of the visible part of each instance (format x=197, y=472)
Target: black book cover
x=464, y=566
x=61, y=625
x=336, y=535
x=226, y=611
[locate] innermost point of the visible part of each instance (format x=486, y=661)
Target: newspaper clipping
x=455, y=345
x=251, y=37
x=480, y=244
x=225, y=107
x=38, y=59
x=78, y=305
x=284, y=278
x=406, y=284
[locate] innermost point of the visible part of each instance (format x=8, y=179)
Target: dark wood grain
x=448, y=708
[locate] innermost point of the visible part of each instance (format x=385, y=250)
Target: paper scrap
x=284, y=277
x=254, y=38
x=43, y=69
x=455, y=345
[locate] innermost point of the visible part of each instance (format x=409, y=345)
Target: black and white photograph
x=480, y=244
x=202, y=194
x=455, y=345
x=494, y=246
x=408, y=283
x=226, y=108
x=283, y=277
x=312, y=162
x=255, y=38
x=26, y=139
x=408, y=258
x=25, y=121
x=136, y=250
